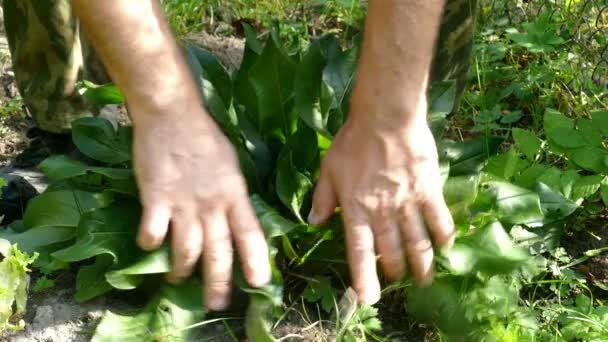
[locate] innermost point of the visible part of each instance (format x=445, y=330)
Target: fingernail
x=313, y=218
x=260, y=275
x=217, y=303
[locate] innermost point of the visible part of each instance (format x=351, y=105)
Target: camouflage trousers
x=50, y=56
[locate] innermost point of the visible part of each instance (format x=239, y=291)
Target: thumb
x=323, y=201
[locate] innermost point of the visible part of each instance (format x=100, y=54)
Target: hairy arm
x=187, y=171
x=398, y=48
x=137, y=47
x=382, y=168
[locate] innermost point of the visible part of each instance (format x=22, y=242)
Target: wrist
x=395, y=108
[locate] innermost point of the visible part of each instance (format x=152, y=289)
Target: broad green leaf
x=127, y=278
x=165, y=318
x=552, y=177
x=61, y=208
x=89, y=178
x=489, y=250
x=512, y=204
x=243, y=91
x=100, y=94
x=292, y=185
x=566, y=137
x=590, y=158
x=272, y=79
x=273, y=223
x=468, y=157
x=258, y=319
x=339, y=75
x=554, y=119
x=96, y=138
x=506, y=165
x=538, y=240
x=569, y=177
x=605, y=194
x=109, y=231
x=214, y=72
x=600, y=120
x=461, y=189
x=554, y=206
x=527, y=142
x=312, y=107
x=442, y=96
x=33, y=239
x=586, y=186
x=591, y=132
x=528, y=177
x=90, y=280
x=441, y=103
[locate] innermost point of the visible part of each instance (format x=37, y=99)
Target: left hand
x=385, y=175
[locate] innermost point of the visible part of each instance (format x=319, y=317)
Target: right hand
x=189, y=178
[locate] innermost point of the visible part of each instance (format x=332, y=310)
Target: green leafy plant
x=281, y=112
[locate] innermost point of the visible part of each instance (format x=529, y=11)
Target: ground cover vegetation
x=525, y=166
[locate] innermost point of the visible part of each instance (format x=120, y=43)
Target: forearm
x=398, y=47
x=139, y=51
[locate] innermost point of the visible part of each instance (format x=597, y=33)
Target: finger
x=361, y=257
x=186, y=243
x=250, y=242
x=388, y=244
x=153, y=227
x=323, y=202
x=438, y=217
x=217, y=260
x=418, y=246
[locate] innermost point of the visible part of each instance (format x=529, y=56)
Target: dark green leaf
x=586, y=186
x=214, y=72
x=527, y=142
x=506, y=165
x=512, y=204
x=489, y=250
x=468, y=157
x=61, y=208
x=313, y=108
x=566, y=137
x=158, y=261
x=90, y=178
x=590, y=158
x=165, y=318
x=292, y=185
x=109, y=231
x=272, y=79
x=600, y=120
x=591, y=132
x=273, y=223
x=555, y=207
x=90, y=280
x=32, y=240
x=554, y=119
x=529, y=176
x=96, y=138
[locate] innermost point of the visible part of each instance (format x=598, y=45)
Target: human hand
x=188, y=175
x=383, y=171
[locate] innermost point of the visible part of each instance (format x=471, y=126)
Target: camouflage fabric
x=455, y=44
x=48, y=57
